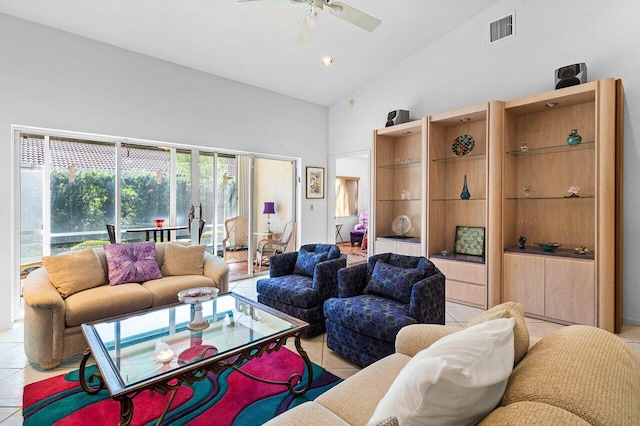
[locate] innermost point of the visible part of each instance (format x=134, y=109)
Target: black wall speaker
x=571, y=75
x=396, y=117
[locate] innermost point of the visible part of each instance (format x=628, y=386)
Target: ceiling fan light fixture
x=326, y=61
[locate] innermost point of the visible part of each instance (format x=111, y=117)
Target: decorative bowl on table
x=195, y=297
x=548, y=246
x=159, y=222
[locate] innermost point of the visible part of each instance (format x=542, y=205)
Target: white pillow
x=457, y=380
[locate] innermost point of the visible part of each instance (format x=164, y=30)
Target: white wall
x=55, y=80
x=463, y=69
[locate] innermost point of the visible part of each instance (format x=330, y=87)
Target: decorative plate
x=401, y=225
x=463, y=145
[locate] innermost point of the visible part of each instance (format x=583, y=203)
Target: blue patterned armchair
x=375, y=300
x=300, y=282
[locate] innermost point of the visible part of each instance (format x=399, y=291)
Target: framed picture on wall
x=315, y=182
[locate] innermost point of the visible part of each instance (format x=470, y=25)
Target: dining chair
x=269, y=247
x=111, y=230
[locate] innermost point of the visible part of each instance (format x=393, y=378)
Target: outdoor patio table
x=157, y=231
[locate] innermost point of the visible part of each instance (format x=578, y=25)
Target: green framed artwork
x=469, y=240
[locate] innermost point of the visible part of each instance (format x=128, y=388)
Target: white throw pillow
x=458, y=380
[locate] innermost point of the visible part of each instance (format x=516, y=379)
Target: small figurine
x=581, y=250
x=522, y=241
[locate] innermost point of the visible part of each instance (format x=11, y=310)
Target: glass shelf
x=460, y=158
x=553, y=149
x=401, y=166
x=588, y=197
x=400, y=199
x=458, y=199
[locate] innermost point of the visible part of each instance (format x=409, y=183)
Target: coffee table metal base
x=199, y=373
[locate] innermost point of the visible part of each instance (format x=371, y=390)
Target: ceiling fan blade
x=354, y=16
x=308, y=27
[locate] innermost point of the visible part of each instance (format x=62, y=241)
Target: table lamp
x=269, y=209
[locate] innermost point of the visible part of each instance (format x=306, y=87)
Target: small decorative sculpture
x=573, y=190
x=574, y=138
x=465, y=195
x=581, y=250
x=522, y=241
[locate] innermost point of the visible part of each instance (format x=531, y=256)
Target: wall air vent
x=502, y=28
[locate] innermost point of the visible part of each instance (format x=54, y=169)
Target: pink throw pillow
x=132, y=263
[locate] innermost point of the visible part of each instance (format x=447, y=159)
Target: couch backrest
x=584, y=370
x=332, y=249
x=401, y=261
x=159, y=254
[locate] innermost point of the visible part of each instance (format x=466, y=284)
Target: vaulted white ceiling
x=255, y=42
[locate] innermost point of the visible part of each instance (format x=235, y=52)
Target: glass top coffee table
x=159, y=350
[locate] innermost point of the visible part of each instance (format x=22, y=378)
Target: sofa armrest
x=218, y=270
x=427, y=304
x=44, y=318
x=282, y=264
x=415, y=337
x=352, y=280
x=325, y=277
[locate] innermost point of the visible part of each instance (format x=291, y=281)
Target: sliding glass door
x=71, y=188
x=273, y=211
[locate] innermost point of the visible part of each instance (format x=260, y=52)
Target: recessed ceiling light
x=465, y=119
x=550, y=104
x=327, y=61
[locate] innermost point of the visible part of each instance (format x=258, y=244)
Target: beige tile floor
x=16, y=370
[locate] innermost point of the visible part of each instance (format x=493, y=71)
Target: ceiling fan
x=339, y=9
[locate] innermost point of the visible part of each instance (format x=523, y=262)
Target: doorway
x=345, y=207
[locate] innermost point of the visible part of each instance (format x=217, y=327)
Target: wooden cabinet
x=399, y=185
x=468, y=276
x=551, y=287
x=539, y=169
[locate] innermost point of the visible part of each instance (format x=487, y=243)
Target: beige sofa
x=577, y=375
x=52, y=322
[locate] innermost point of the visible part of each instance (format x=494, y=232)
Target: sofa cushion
x=369, y=315
x=183, y=260
x=520, y=331
x=295, y=290
x=132, y=262
x=307, y=261
x=74, y=271
x=457, y=380
x=105, y=301
x=356, y=398
x=528, y=413
x=584, y=370
x=393, y=282
x=165, y=290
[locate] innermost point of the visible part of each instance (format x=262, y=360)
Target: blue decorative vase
x=574, y=138
x=465, y=191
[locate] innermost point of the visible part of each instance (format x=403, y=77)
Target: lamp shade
x=269, y=207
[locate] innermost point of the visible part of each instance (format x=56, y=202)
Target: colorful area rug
x=228, y=398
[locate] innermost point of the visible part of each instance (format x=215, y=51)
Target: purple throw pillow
x=132, y=263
